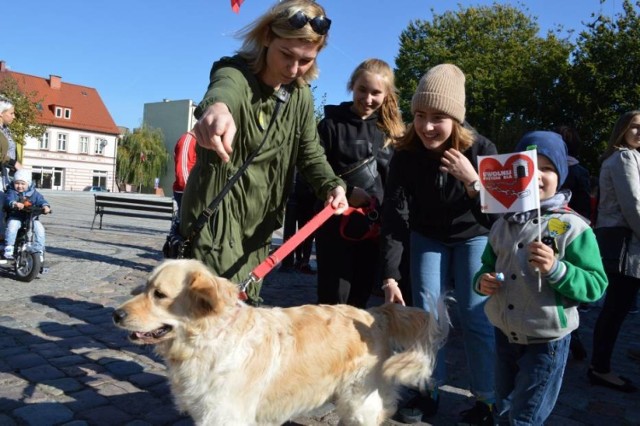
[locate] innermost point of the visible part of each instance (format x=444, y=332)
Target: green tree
x=511, y=73
x=605, y=77
x=28, y=107
x=142, y=157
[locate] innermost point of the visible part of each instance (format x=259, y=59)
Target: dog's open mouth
x=150, y=336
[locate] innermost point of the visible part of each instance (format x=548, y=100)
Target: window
x=101, y=143
x=44, y=141
x=84, y=145
x=67, y=113
x=62, y=142
x=99, y=178
x=58, y=112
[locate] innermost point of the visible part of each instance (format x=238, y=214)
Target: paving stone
x=105, y=416
x=83, y=370
x=123, y=368
x=145, y=380
x=65, y=384
x=65, y=361
x=86, y=399
x=43, y=414
x=24, y=360
x=41, y=373
x=6, y=420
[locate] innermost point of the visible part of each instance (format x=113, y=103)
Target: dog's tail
x=416, y=336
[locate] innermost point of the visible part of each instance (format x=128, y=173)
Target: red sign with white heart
x=508, y=182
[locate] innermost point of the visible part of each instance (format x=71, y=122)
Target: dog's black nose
x=119, y=315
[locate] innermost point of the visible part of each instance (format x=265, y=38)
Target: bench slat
x=149, y=216
x=103, y=206
x=138, y=207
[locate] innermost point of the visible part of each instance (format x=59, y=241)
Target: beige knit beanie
x=441, y=88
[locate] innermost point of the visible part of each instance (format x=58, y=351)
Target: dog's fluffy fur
x=232, y=364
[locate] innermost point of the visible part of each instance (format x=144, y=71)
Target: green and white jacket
x=525, y=313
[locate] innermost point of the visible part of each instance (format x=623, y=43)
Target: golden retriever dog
x=233, y=364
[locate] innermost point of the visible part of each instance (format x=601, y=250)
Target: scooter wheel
x=27, y=266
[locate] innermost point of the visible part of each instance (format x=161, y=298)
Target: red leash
x=260, y=271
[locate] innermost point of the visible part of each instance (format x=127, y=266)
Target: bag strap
x=282, y=97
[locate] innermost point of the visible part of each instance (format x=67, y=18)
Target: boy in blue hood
x=21, y=195
x=533, y=323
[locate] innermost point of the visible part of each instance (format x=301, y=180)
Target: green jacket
x=237, y=238
x=4, y=149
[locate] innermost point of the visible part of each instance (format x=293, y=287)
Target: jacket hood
x=343, y=112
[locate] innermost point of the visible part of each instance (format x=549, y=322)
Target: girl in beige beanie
x=434, y=174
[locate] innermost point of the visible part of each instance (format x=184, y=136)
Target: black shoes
x=480, y=414
x=595, y=379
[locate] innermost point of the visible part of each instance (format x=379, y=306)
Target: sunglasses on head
x=319, y=24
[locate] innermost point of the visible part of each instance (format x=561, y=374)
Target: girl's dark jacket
x=348, y=139
x=420, y=198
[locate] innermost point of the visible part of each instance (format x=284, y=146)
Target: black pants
x=299, y=211
x=621, y=293
x=347, y=271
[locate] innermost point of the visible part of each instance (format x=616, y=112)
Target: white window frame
x=99, y=146
x=58, y=112
x=61, y=144
x=67, y=114
x=44, y=141
x=84, y=143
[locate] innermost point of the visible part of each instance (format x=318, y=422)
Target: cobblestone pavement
x=62, y=362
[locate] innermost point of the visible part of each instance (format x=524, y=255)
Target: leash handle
x=260, y=271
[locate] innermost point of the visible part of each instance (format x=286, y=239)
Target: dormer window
x=61, y=112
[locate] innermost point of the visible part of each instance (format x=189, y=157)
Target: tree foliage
x=142, y=157
x=605, y=77
x=27, y=106
x=512, y=74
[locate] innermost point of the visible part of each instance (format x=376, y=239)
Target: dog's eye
x=159, y=295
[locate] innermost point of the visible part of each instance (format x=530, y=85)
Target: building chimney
x=55, y=81
x=3, y=66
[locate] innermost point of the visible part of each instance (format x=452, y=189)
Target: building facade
x=174, y=118
x=79, y=146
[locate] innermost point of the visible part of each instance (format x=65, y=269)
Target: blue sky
x=139, y=51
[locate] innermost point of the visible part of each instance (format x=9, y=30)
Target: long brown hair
x=616, y=140
x=461, y=138
x=275, y=23
x=389, y=118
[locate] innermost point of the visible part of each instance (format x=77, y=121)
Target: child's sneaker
x=8, y=253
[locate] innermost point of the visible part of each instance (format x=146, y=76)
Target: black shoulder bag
x=178, y=247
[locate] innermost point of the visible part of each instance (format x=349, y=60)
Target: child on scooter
x=21, y=195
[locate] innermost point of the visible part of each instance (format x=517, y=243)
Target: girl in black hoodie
x=351, y=133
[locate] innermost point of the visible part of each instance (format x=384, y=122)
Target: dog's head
x=177, y=294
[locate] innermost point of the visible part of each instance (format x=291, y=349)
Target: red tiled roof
x=88, y=112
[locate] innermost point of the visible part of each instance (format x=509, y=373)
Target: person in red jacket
x=184, y=157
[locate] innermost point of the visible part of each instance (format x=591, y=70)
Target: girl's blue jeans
x=528, y=379
x=434, y=266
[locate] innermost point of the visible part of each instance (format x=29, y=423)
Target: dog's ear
x=211, y=295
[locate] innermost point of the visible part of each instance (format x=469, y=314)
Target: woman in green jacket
x=279, y=51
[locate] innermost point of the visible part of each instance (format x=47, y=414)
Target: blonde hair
x=5, y=104
x=616, y=140
x=275, y=24
x=461, y=138
x=389, y=119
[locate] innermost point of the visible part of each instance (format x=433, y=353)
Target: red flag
x=235, y=5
